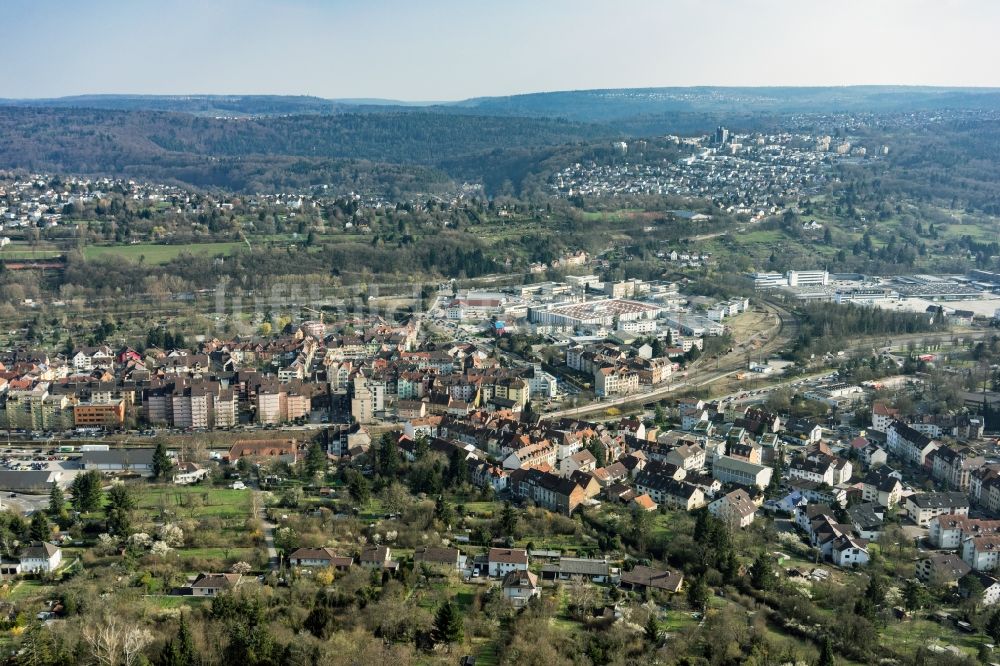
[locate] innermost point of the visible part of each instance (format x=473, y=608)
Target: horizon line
x=363, y=99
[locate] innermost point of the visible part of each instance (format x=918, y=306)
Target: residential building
x=982, y=553
x=941, y=569
x=501, y=561
x=849, y=551
x=213, y=584
x=444, y=558
x=547, y=490
x=735, y=509
x=319, y=557
x=41, y=557
x=948, y=531
x=642, y=578
x=520, y=587
x=922, y=508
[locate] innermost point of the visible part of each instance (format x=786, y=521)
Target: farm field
x=158, y=254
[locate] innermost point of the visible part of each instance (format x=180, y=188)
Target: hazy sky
x=448, y=49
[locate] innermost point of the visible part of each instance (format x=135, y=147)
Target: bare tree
x=116, y=642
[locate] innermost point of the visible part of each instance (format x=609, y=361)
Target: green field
x=9, y=254
x=209, y=502
x=158, y=254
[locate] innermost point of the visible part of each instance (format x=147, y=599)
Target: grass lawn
x=217, y=553
x=486, y=655
x=209, y=502
x=158, y=254
x=673, y=621
x=670, y=524
x=912, y=634
x=168, y=601
x=12, y=255
x=978, y=232
x=761, y=236
x=26, y=589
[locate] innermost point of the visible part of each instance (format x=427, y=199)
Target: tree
x=87, y=491
x=874, y=596
x=826, y=657
x=180, y=651
x=161, y=462
x=596, y=447
x=652, y=629
x=40, y=646
x=358, y=487
x=507, y=522
x=121, y=503
x=443, y=511
x=458, y=468
x=915, y=595
x=422, y=448
x=388, y=456
x=318, y=621
x=40, y=529
x=395, y=497
x=57, y=501
x=448, y=624
x=639, y=529
x=292, y=497
x=972, y=588
x=315, y=459
x=762, y=573
x=698, y=593
x=993, y=627
x=115, y=642
x=774, y=485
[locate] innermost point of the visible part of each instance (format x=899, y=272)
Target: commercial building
x=805, y=278
x=864, y=296
x=732, y=470
x=769, y=281
x=597, y=313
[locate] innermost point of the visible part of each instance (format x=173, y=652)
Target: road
x=268, y=527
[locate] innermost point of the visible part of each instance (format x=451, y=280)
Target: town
x=686, y=376
x=536, y=432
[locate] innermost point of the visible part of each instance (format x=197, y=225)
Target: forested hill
x=208, y=105
x=607, y=106
x=614, y=106
x=192, y=149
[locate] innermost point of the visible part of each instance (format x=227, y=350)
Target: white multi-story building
x=982, y=553
x=769, y=280
x=804, y=278
x=542, y=384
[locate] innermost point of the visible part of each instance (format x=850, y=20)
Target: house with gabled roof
x=520, y=587
x=501, y=561
x=736, y=508
x=319, y=557
x=213, y=584
x=642, y=578
x=378, y=557
x=444, y=557
x=40, y=557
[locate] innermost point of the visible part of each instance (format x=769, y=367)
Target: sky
x=424, y=50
